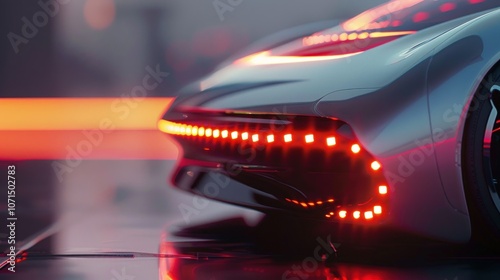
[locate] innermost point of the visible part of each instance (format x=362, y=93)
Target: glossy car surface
x=387, y=118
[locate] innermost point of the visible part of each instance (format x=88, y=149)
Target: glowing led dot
x=319, y=202
x=363, y=35
x=377, y=209
x=334, y=37
x=201, y=131
x=352, y=36
x=234, y=134
x=382, y=189
x=331, y=141
x=303, y=204
x=270, y=138
x=355, y=148
x=208, y=132
x=343, y=36
x=244, y=136
x=420, y=16
x=331, y=200
x=446, y=7
x=188, y=130
x=183, y=130
x=376, y=165
x=288, y=199
x=216, y=133
x=356, y=214
x=255, y=137
x=311, y=203
x=224, y=133
x=368, y=215
x=331, y=213
x=342, y=214
x=194, y=132
x=288, y=138
x=309, y=138
x=328, y=216
x=295, y=201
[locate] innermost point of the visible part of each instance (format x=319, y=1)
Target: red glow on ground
x=476, y=1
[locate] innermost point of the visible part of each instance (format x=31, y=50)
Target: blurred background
x=74, y=197
x=101, y=47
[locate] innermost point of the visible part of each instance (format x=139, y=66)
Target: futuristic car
x=388, y=118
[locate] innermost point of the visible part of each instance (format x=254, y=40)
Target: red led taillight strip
x=361, y=212
x=322, y=139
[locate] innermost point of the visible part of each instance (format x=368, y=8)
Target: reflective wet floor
x=120, y=220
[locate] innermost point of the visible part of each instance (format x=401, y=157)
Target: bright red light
x=396, y=23
x=356, y=214
x=255, y=137
x=363, y=20
x=420, y=16
x=331, y=141
x=224, y=133
x=343, y=214
x=288, y=138
x=364, y=35
x=244, y=136
x=270, y=138
x=194, y=131
x=265, y=58
x=368, y=215
x=216, y=133
x=208, y=132
x=446, y=7
x=355, y=148
x=234, y=134
x=382, y=189
x=376, y=165
x=201, y=131
x=309, y=138
x=377, y=209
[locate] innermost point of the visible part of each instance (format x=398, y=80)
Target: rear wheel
x=481, y=161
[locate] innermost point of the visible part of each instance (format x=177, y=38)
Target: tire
x=481, y=162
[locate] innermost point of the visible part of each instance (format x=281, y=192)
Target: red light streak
x=265, y=58
x=362, y=21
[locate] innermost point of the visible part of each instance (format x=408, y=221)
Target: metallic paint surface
x=394, y=97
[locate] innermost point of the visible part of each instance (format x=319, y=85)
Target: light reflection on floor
x=126, y=207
